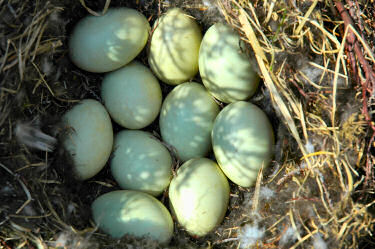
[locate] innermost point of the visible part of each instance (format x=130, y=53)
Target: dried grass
x=323, y=179
x=326, y=178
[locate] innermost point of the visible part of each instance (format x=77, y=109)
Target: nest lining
x=316, y=90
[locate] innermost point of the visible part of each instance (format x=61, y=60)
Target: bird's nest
x=316, y=60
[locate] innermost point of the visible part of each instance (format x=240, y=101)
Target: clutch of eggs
x=191, y=122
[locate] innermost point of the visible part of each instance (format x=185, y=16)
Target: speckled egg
x=127, y=212
x=132, y=96
x=225, y=69
x=199, y=196
x=174, y=47
x=106, y=43
x=186, y=120
x=242, y=139
x=141, y=162
x=88, y=138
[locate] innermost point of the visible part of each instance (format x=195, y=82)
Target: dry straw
x=317, y=64
x=332, y=143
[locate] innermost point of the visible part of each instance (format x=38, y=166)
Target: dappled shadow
x=225, y=69
x=186, y=120
x=243, y=141
x=199, y=196
x=124, y=212
x=174, y=47
x=141, y=162
x=106, y=43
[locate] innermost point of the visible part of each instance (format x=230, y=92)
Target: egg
x=199, y=196
x=174, y=47
x=132, y=96
x=225, y=69
x=88, y=138
x=186, y=120
x=127, y=212
x=242, y=139
x=106, y=43
x=141, y=162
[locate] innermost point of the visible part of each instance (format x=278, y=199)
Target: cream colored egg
x=141, y=162
x=132, y=96
x=88, y=137
x=186, y=120
x=242, y=139
x=106, y=43
x=126, y=212
x=174, y=47
x=199, y=196
x=225, y=69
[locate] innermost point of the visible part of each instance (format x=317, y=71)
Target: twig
x=27, y=192
x=94, y=13
x=4, y=244
x=354, y=50
x=225, y=241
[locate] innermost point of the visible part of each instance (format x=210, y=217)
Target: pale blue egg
x=186, y=120
x=174, y=47
x=126, y=212
x=225, y=69
x=242, y=140
x=106, y=43
x=141, y=162
x=199, y=196
x=88, y=137
x=132, y=96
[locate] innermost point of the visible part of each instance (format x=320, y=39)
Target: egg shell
x=225, y=69
x=89, y=137
x=242, y=139
x=106, y=43
x=132, y=95
x=141, y=162
x=174, y=47
x=199, y=196
x=128, y=212
x=186, y=120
